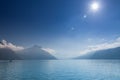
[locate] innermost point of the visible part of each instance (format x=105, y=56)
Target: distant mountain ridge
x=8, y=54
x=113, y=53
x=32, y=53
x=35, y=52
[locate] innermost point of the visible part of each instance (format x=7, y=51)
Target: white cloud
x=108, y=45
x=49, y=50
x=5, y=44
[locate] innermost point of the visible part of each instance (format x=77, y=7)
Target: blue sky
x=59, y=24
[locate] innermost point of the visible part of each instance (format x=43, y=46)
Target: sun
x=95, y=6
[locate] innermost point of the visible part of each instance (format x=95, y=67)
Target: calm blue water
x=61, y=70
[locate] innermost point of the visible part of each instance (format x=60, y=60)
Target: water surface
x=60, y=70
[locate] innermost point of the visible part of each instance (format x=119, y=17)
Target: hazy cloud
x=5, y=44
x=108, y=45
x=49, y=50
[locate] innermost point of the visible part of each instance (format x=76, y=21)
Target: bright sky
x=66, y=26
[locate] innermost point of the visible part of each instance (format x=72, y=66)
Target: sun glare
x=95, y=6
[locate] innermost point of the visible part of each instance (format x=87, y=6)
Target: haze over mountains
x=113, y=53
x=107, y=50
x=35, y=52
x=8, y=51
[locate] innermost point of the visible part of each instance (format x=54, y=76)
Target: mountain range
x=8, y=51
x=8, y=54
x=113, y=53
x=32, y=53
x=35, y=52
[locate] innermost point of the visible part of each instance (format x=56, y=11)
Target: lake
x=60, y=70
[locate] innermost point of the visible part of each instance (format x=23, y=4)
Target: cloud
x=49, y=50
x=108, y=45
x=5, y=44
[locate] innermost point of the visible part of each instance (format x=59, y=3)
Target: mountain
x=8, y=54
x=113, y=53
x=9, y=51
x=34, y=53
